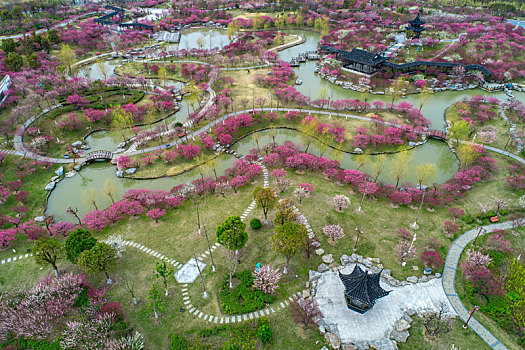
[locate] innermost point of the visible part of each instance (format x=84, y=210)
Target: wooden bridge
x=99, y=155
x=437, y=134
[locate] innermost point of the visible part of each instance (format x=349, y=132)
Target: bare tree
x=437, y=322
x=129, y=285
x=305, y=311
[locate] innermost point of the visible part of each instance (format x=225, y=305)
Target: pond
x=201, y=38
x=433, y=108
x=69, y=191
x=108, y=140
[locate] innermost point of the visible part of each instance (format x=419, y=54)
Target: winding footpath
x=451, y=267
x=449, y=277
x=132, y=150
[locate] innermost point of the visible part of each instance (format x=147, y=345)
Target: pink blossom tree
x=450, y=228
x=477, y=272
x=7, y=236
x=405, y=251
x=300, y=193
x=266, y=279
x=155, y=214
x=334, y=232
x=305, y=311
x=432, y=258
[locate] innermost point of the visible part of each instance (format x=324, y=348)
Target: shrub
x=38, y=344
x=242, y=298
x=255, y=223
x=82, y=299
x=121, y=329
x=432, y=259
x=264, y=333
x=468, y=219
x=178, y=342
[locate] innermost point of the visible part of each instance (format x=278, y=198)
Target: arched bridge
x=437, y=134
x=99, y=155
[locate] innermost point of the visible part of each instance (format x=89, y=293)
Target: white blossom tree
x=117, y=243
x=341, y=202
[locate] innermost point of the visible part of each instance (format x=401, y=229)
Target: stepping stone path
x=256, y=314
x=176, y=265
x=15, y=258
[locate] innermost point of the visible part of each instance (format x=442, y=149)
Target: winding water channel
x=69, y=191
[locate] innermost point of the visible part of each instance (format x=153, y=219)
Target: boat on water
x=298, y=82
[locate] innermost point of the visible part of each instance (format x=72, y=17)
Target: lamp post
x=477, y=235
x=359, y=232
x=205, y=294
x=403, y=263
x=471, y=312
x=414, y=225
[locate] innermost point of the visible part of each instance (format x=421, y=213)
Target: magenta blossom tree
x=266, y=279
x=156, y=214
x=431, y=258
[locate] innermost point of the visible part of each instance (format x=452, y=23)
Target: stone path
x=248, y=316
x=176, y=265
x=512, y=129
x=449, y=278
x=16, y=258
x=376, y=324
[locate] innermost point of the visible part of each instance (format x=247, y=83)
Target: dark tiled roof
x=416, y=21
x=356, y=55
x=363, y=286
x=479, y=67
x=330, y=49
x=415, y=29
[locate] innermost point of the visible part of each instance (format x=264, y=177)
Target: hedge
x=242, y=298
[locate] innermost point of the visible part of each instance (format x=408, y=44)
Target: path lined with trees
x=449, y=278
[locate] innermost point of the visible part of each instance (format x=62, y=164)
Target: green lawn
x=462, y=339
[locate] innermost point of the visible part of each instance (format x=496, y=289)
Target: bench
x=494, y=219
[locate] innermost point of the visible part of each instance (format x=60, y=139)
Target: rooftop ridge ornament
x=362, y=289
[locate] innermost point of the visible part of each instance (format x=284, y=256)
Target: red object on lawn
x=494, y=219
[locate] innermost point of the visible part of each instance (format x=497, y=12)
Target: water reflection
x=69, y=191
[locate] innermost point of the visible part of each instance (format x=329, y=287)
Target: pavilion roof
x=363, y=286
x=416, y=21
x=362, y=57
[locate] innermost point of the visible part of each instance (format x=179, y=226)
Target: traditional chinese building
x=362, y=289
x=369, y=63
x=357, y=59
x=416, y=25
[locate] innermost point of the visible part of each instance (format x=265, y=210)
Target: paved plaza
x=377, y=323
